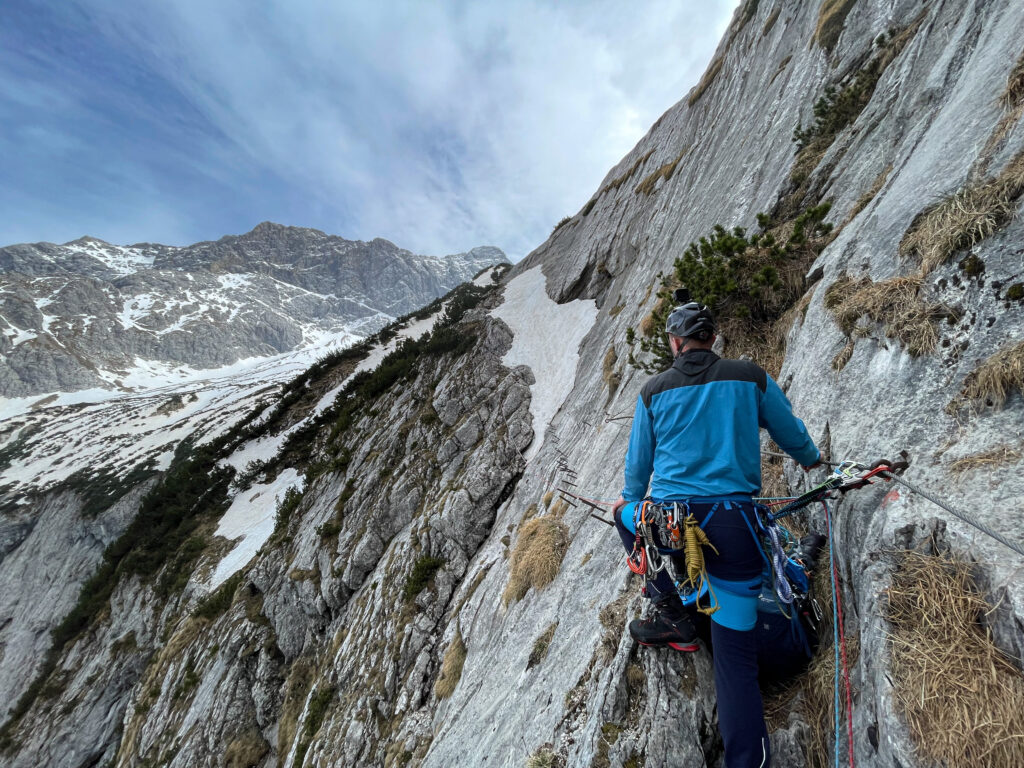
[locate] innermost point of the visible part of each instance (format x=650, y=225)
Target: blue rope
x=835, y=627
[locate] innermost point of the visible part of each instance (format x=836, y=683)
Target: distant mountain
x=89, y=314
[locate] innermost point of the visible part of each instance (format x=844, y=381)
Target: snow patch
x=251, y=519
x=120, y=259
x=547, y=340
x=412, y=331
x=486, y=277
x=18, y=335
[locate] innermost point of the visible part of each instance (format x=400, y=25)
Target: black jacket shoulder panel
x=740, y=370
x=702, y=367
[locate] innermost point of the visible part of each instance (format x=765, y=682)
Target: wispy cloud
x=439, y=126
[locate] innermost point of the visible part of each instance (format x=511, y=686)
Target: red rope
x=842, y=645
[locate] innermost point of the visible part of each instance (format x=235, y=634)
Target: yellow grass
x=705, y=82
x=665, y=172
x=246, y=749
x=451, y=668
x=994, y=457
x=992, y=382
x=965, y=218
x=541, y=645
x=896, y=303
x=963, y=700
x=618, y=181
x=1013, y=95
x=611, y=377
x=831, y=18
x=537, y=557
x=840, y=360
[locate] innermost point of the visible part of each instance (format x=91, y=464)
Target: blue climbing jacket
x=696, y=429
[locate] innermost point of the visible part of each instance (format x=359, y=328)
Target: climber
x=695, y=438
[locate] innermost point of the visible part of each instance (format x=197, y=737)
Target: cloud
x=439, y=126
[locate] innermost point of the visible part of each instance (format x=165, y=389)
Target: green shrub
x=315, y=714
x=217, y=602
x=285, y=509
x=422, y=572
x=736, y=276
x=102, y=489
x=329, y=530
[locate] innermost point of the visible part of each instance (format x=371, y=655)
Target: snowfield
x=250, y=520
x=107, y=430
x=547, y=340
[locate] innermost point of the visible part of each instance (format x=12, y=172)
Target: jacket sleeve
x=640, y=454
x=776, y=415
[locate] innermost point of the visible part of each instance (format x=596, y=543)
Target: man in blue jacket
x=696, y=439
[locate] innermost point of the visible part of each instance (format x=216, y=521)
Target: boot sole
x=685, y=647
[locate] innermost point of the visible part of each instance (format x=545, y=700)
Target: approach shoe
x=660, y=629
x=809, y=549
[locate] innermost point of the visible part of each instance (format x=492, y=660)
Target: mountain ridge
x=80, y=315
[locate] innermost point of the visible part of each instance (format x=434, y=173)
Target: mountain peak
x=87, y=240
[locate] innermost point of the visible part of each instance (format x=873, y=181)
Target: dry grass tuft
x=542, y=758
x=539, y=652
x=618, y=181
x=995, y=457
x=965, y=218
x=1013, y=95
x=613, y=619
x=559, y=508
x=818, y=705
x=840, y=360
x=896, y=303
x=612, y=378
x=540, y=548
x=705, y=82
x=451, y=668
x=831, y=18
x=992, y=382
x=248, y=748
x=960, y=695
x=665, y=172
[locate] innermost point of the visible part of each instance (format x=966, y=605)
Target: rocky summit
x=88, y=314
x=376, y=566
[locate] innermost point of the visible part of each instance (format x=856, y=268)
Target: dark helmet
x=690, y=319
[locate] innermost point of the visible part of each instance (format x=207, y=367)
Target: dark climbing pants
x=740, y=712
x=735, y=574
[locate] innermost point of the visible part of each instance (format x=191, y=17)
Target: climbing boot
x=809, y=549
x=669, y=625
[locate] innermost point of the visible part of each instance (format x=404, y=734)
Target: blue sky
x=437, y=125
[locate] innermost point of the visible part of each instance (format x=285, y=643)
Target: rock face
x=382, y=623
x=87, y=313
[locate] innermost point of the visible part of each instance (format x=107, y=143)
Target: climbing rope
x=694, y=541
x=839, y=646
x=782, y=588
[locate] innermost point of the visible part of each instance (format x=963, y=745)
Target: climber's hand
x=618, y=505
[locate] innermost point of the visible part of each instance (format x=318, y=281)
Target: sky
x=437, y=125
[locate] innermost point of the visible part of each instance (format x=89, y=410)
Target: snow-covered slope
x=88, y=314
